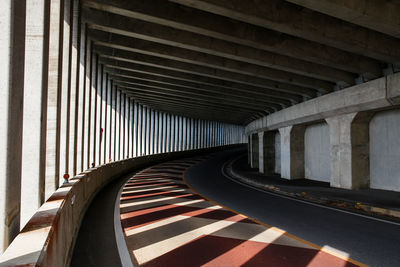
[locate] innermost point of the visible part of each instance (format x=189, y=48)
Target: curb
x=352, y=206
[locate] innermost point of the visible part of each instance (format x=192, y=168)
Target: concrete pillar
x=200, y=133
x=12, y=51
x=80, y=98
x=63, y=109
x=156, y=131
x=122, y=127
x=143, y=131
x=126, y=128
x=207, y=134
x=151, y=133
x=203, y=134
x=292, y=152
x=113, y=127
x=98, y=114
x=34, y=108
x=254, y=151
x=164, y=133
x=135, y=129
x=191, y=134
x=109, y=121
x=131, y=128
x=349, y=138
x=93, y=109
x=53, y=97
x=266, y=144
x=87, y=105
x=140, y=130
x=148, y=122
x=249, y=146
x=182, y=134
x=195, y=134
x=160, y=131
x=176, y=133
x=118, y=126
x=73, y=89
x=169, y=132
x=103, y=116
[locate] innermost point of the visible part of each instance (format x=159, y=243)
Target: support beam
x=377, y=15
x=197, y=21
x=165, y=35
x=251, y=92
x=124, y=56
x=199, y=62
x=221, y=98
x=205, y=101
x=285, y=17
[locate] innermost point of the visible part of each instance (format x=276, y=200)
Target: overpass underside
x=312, y=86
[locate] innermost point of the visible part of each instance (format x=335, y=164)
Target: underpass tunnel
x=92, y=90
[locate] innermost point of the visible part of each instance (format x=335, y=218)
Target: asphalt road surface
x=367, y=240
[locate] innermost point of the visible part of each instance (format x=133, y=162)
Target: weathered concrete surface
x=380, y=93
x=12, y=47
x=277, y=167
x=381, y=16
x=254, y=151
x=384, y=131
x=349, y=139
x=34, y=115
x=267, y=152
x=206, y=23
x=48, y=237
x=317, y=153
x=393, y=88
x=287, y=18
x=292, y=152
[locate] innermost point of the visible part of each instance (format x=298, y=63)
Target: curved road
x=166, y=224
x=372, y=242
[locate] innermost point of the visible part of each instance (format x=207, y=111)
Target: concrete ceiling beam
x=209, y=91
x=377, y=15
x=195, y=106
x=197, y=21
x=241, y=91
x=260, y=76
x=238, y=119
x=124, y=46
x=288, y=18
x=166, y=35
x=179, y=93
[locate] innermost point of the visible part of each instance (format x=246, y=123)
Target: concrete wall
x=277, y=152
x=385, y=150
x=317, y=152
